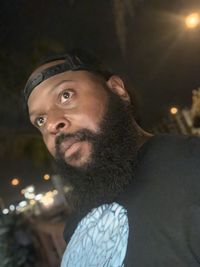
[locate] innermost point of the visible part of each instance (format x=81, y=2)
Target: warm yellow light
x=46, y=177
x=47, y=199
x=173, y=110
x=15, y=181
x=192, y=20
x=32, y=202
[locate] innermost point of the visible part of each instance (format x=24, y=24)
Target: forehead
x=37, y=74
x=78, y=79
x=41, y=74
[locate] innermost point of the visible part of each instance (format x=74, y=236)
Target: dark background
x=144, y=41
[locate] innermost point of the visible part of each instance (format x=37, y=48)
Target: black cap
x=75, y=60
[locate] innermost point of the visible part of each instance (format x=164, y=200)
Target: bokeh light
x=173, y=110
x=192, y=20
x=15, y=181
x=46, y=177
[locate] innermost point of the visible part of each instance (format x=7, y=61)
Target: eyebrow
x=51, y=89
x=59, y=83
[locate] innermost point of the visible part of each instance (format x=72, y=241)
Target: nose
x=56, y=123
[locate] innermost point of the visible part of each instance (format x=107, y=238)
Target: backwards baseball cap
x=75, y=60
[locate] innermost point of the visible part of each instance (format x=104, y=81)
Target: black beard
x=113, y=158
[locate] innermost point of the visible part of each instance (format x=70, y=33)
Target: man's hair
x=74, y=60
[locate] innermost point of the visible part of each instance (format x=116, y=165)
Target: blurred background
x=153, y=44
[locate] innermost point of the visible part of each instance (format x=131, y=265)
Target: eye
x=39, y=121
x=66, y=96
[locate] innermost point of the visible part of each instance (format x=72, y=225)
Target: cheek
x=91, y=118
x=94, y=111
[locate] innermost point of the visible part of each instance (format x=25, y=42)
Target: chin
x=78, y=161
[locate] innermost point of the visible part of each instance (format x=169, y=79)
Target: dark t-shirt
x=163, y=205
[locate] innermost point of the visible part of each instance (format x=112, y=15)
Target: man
x=135, y=198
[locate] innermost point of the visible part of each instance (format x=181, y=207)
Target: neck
x=142, y=135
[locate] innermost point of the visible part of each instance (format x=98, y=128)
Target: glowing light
x=173, y=110
x=38, y=197
x=29, y=192
x=32, y=202
x=5, y=211
x=29, y=195
x=12, y=208
x=46, y=177
x=23, y=204
x=48, y=199
x=192, y=20
x=15, y=181
x=30, y=189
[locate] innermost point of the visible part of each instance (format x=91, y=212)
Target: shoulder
x=169, y=143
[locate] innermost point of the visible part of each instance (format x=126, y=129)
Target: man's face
x=88, y=127
x=65, y=104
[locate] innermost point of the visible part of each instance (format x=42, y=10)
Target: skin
x=71, y=101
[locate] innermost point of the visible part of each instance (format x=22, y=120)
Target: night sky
x=151, y=48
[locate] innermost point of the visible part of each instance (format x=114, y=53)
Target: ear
x=116, y=85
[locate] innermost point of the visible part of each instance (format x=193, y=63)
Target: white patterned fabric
x=100, y=239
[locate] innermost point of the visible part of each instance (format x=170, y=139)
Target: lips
x=65, y=145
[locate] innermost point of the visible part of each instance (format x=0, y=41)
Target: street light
x=29, y=192
x=15, y=181
x=46, y=177
x=5, y=211
x=173, y=110
x=192, y=20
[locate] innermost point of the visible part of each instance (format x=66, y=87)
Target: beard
x=112, y=162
